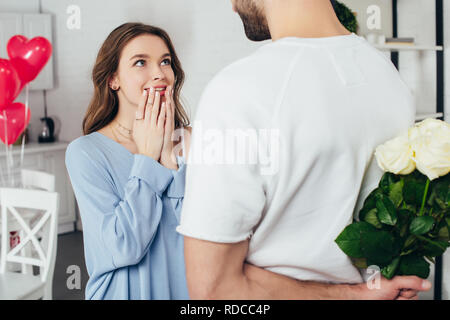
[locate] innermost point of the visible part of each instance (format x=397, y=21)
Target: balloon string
x=11, y=159
x=1, y=170
x=2, y=176
x=8, y=166
x=25, y=124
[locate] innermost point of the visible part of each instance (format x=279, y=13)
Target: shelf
x=423, y=116
x=34, y=147
x=387, y=47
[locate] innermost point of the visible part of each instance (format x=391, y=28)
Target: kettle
x=48, y=130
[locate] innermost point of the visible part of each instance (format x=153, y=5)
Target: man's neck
x=303, y=19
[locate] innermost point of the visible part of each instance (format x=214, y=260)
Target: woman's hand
x=148, y=127
x=168, y=158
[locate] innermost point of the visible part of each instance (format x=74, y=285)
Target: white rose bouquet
x=405, y=222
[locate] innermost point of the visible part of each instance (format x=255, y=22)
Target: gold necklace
x=117, y=139
x=129, y=131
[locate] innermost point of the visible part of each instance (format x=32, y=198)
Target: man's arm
x=218, y=271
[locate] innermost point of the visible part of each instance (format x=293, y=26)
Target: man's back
x=318, y=108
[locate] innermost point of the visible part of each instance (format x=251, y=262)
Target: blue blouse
x=130, y=206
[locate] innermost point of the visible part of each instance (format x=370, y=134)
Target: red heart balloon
x=9, y=83
x=28, y=56
x=13, y=122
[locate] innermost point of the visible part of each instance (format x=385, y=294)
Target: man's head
x=254, y=18
x=255, y=13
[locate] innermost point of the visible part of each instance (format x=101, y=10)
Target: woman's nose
x=157, y=74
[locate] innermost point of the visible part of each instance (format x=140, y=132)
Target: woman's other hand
x=148, y=127
x=168, y=158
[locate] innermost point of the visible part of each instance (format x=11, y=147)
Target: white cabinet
x=49, y=158
x=30, y=26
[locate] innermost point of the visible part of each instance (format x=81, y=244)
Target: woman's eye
x=166, y=62
x=140, y=63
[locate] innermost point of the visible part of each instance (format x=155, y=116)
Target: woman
x=128, y=183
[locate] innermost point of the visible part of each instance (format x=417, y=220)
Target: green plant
x=402, y=222
x=346, y=16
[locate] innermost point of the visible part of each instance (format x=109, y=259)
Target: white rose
x=430, y=142
x=396, y=156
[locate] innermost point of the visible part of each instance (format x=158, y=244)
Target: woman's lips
x=160, y=90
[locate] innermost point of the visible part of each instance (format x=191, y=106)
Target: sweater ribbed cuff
x=152, y=172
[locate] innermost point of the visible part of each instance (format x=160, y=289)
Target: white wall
x=36, y=97
x=446, y=260
x=419, y=68
x=207, y=36
x=447, y=61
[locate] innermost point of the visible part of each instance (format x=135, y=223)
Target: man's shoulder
x=256, y=64
x=249, y=75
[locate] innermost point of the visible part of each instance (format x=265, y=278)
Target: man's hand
x=398, y=288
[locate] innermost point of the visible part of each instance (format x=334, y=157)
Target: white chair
x=32, y=179
x=15, y=285
x=38, y=180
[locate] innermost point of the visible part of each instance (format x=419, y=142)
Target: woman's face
x=145, y=62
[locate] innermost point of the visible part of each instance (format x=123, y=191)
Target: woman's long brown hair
x=104, y=104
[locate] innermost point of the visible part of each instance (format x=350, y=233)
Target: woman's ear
x=114, y=83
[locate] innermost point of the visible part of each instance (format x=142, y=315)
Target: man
x=266, y=229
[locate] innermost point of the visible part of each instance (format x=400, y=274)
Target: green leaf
x=444, y=232
x=407, y=252
x=378, y=246
x=369, y=203
x=363, y=212
x=442, y=204
x=387, y=213
x=389, y=271
x=396, y=193
x=442, y=189
x=346, y=16
x=404, y=218
x=372, y=197
x=409, y=192
x=413, y=265
x=386, y=182
x=413, y=192
x=360, y=263
x=431, y=260
x=371, y=217
x=410, y=241
x=411, y=208
x=349, y=240
x=433, y=194
x=421, y=225
x=432, y=250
